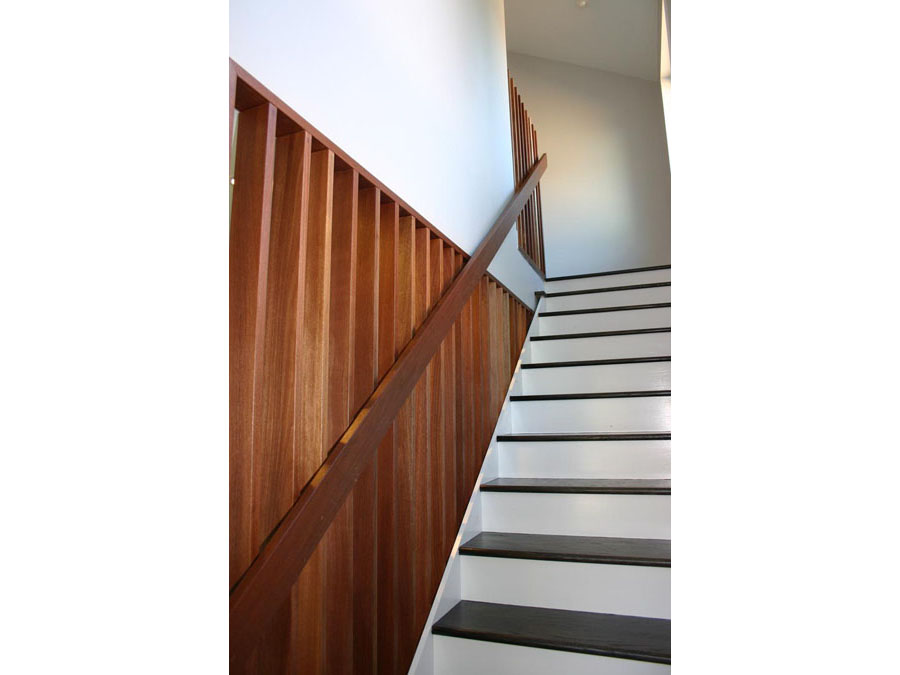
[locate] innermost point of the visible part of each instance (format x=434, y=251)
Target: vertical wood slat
x=338, y=540
x=364, y=376
x=437, y=428
x=408, y=564
x=273, y=458
x=387, y=600
x=248, y=260
x=341, y=335
x=423, y=395
x=450, y=427
x=311, y=403
x=525, y=154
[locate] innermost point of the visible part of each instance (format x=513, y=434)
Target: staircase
x=568, y=570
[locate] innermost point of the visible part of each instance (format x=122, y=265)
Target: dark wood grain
x=602, y=333
x=603, y=310
x=604, y=486
x=624, y=637
x=543, y=438
x=592, y=395
x=597, y=362
x=605, y=274
x=568, y=548
x=611, y=289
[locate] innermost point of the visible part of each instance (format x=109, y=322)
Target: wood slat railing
x=369, y=358
x=525, y=154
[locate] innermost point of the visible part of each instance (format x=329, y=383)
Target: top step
x=639, y=275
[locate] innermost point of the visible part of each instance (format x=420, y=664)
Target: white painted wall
x=414, y=91
x=606, y=191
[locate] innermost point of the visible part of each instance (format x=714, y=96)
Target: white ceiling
x=621, y=36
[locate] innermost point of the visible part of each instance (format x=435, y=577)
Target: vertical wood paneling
x=338, y=540
x=316, y=311
x=273, y=456
x=365, y=363
x=408, y=565
x=449, y=478
x=388, y=629
x=248, y=259
x=422, y=394
x=328, y=285
x=312, y=401
x=365, y=371
x=437, y=428
x=343, y=291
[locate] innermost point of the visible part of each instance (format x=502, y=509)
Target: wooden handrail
x=270, y=577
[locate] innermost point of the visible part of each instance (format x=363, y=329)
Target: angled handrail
x=270, y=577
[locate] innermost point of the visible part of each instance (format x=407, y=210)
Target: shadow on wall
x=606, y=200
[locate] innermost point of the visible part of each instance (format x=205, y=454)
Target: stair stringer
x=449, y=591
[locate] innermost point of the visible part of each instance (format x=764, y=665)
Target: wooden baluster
x=388, y=629
x=451, y=444
x=274, y=487
x=341, y=337
x=248, y=260
x=365, y=364
x=423, y=392
x=338, y=541
x=408, y=563
x=437, y=435
x=311, y=403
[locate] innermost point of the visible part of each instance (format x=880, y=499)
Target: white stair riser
x=652, y=413
x=592, y=515
x=625, y=320
x=638, y=296
x=592, y=379
x=582, y=587
x=609, y=347
x=453, y=656
x=630, y=279
x=586, y=459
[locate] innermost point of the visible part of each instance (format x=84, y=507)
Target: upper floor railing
x=525, y=154
x=369, y=357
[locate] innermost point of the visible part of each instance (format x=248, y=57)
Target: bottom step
x=624, y=637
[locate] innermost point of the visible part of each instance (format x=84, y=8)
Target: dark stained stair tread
x=606, y=486
x=544, y=438
x=601, y=394
x=566, y=548
x=610, y=289
x=615, y=635
x=603, y=310
x=610, y=273
x=604, y=333
x=597, y=362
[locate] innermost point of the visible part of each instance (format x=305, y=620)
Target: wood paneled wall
x=331, y=275
x=525, y=154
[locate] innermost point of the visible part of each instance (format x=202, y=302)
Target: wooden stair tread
x=610, y=273
x=543, y=438
x=626, y=637
x=606, y=486
x=568, y=548
x=597, y=362
x=603, y=333
x=603, y=310
x=610, y=289
x=590, y=395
